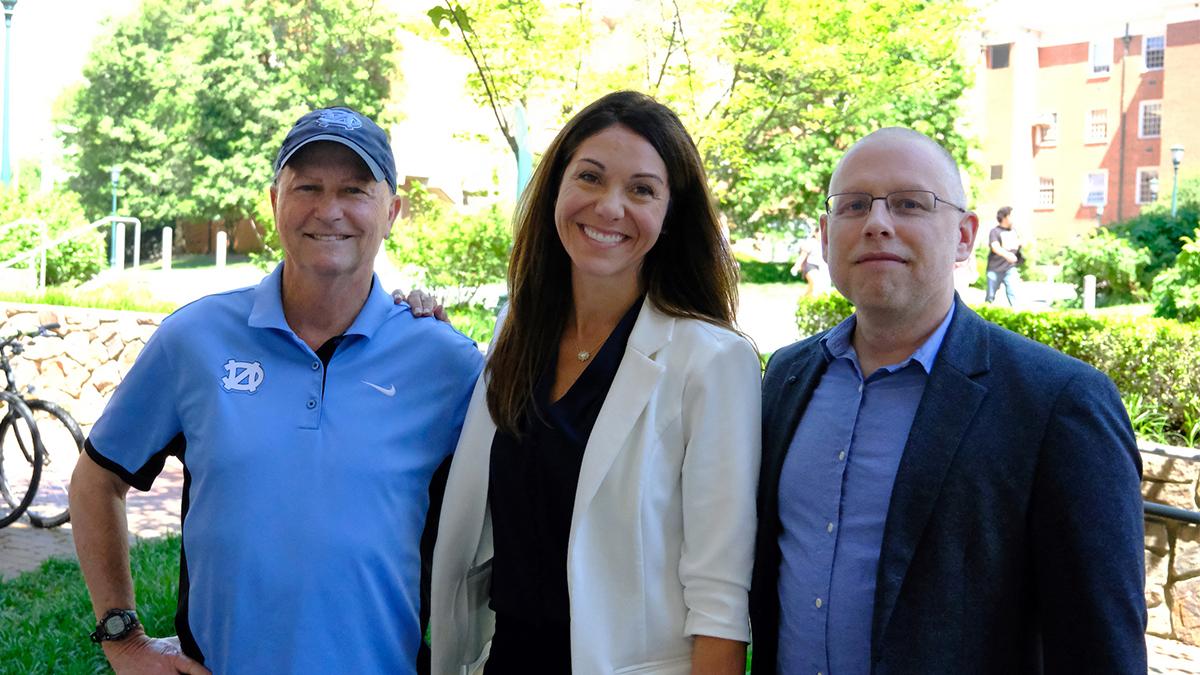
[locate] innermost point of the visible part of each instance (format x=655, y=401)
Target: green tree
x=75, y=259
x=773, y=91
x=192, y=98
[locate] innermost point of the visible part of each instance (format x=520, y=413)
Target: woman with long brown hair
x=599, y=514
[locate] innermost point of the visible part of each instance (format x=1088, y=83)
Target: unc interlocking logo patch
x=244, y=376
x=341, y=118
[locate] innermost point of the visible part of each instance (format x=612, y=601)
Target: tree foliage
x=192, y=98
x=72, y=261
x=773, y=91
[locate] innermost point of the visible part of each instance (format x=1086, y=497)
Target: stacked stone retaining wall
x=97, y=348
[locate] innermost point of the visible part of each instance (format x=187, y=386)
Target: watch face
x=113, y=625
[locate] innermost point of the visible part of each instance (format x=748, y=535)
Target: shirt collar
x=837, y=344
x=268, y=306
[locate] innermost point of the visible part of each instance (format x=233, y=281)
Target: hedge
x=1157, y=360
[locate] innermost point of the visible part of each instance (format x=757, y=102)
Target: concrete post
x=1089, y=293
x=167, y=243
x=222, y=238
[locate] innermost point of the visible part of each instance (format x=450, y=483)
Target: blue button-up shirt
x=834, y=491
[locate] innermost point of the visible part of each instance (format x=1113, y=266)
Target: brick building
x=1077, y=112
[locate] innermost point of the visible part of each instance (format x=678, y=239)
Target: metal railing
x=1164, y=512
x=40, y=250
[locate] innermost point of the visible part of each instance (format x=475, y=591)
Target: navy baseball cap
x=348, y=127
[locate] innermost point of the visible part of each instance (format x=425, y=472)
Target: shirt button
x=829, y=527
x=312, y=403
x=818, y=603
x=841, y=455
x=316, y=365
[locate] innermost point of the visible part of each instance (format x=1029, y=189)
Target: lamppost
x=112, y=233
x=1176, y=160
x=5, y=165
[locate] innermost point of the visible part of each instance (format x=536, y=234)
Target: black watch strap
x=116, y=624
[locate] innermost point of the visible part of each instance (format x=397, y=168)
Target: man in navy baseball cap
x=270, y=388
x=348, y=127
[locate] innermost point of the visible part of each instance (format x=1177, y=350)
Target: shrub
x=1114, y=261
x=451, y=251
x=1155, y=360
x=759, y=272
x=1160, y=234
x=75, y=260
x=1176, y=291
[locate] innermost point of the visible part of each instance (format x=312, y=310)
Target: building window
x=1096, y=129
x=1048, y=129
x=998, y=56
x=1100, y=57
x=1045, y=197
x=1155, y=52
x=997, y=171
x=1150, y=119
x=1147, y=185
x=1095, y=188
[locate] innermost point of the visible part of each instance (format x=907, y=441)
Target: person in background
x=599, y=512
x=938, y=494
x=811, y=266
x=307, y=446
x=1004, y=255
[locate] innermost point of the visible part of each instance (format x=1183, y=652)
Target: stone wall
x=81, y=369
x=1169, y=476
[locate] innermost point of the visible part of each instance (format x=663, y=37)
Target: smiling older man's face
x=886, y=263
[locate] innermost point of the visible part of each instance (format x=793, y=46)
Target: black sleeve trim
x=143, y=478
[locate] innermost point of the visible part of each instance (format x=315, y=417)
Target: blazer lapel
x=950, y=403
x=783, y=406
x=631, y=390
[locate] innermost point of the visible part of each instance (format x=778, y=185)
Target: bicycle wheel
x=20, y=457
x=62, y=441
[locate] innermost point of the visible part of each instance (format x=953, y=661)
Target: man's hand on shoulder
x=422, y=304
x=143, y=655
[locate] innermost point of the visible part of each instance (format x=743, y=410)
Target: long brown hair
x=689, y=273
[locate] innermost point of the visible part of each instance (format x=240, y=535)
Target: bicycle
x=36, y=480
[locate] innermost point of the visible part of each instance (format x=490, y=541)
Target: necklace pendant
x=583, y=356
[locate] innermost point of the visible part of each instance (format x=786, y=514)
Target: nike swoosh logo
x=389, y=391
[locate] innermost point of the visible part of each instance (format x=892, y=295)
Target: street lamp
x=112, y=233
x=5, y=164
x=1176, y=160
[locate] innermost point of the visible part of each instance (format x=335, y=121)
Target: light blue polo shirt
x=306, y=488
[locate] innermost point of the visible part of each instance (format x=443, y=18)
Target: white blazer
x=662, y=532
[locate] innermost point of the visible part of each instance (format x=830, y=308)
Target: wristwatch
x=116, y=625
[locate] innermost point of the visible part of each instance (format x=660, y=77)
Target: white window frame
x=1045, y=187
x=1142, y=118
x=1048, y=135
x=1088, y=125
x=1139, y=198
x=1088, y=191
x=1146, y=51
x=1100, y=53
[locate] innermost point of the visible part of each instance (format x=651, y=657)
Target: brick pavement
x=155, y=513
x=151, y=514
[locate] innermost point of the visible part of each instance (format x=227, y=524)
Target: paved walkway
x=151, y=514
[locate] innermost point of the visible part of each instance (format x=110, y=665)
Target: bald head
x=938, y=160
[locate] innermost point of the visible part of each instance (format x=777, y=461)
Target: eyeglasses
x=903, y=204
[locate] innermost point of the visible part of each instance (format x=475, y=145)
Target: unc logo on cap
x=342, y=118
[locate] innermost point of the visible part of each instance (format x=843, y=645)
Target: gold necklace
x=585, y=354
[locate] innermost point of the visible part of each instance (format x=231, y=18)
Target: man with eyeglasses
x=938, y=495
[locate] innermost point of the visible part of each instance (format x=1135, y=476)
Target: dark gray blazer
x=1013, y=541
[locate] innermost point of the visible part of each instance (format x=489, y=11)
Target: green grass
x=111, y=297
x=45, y=615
